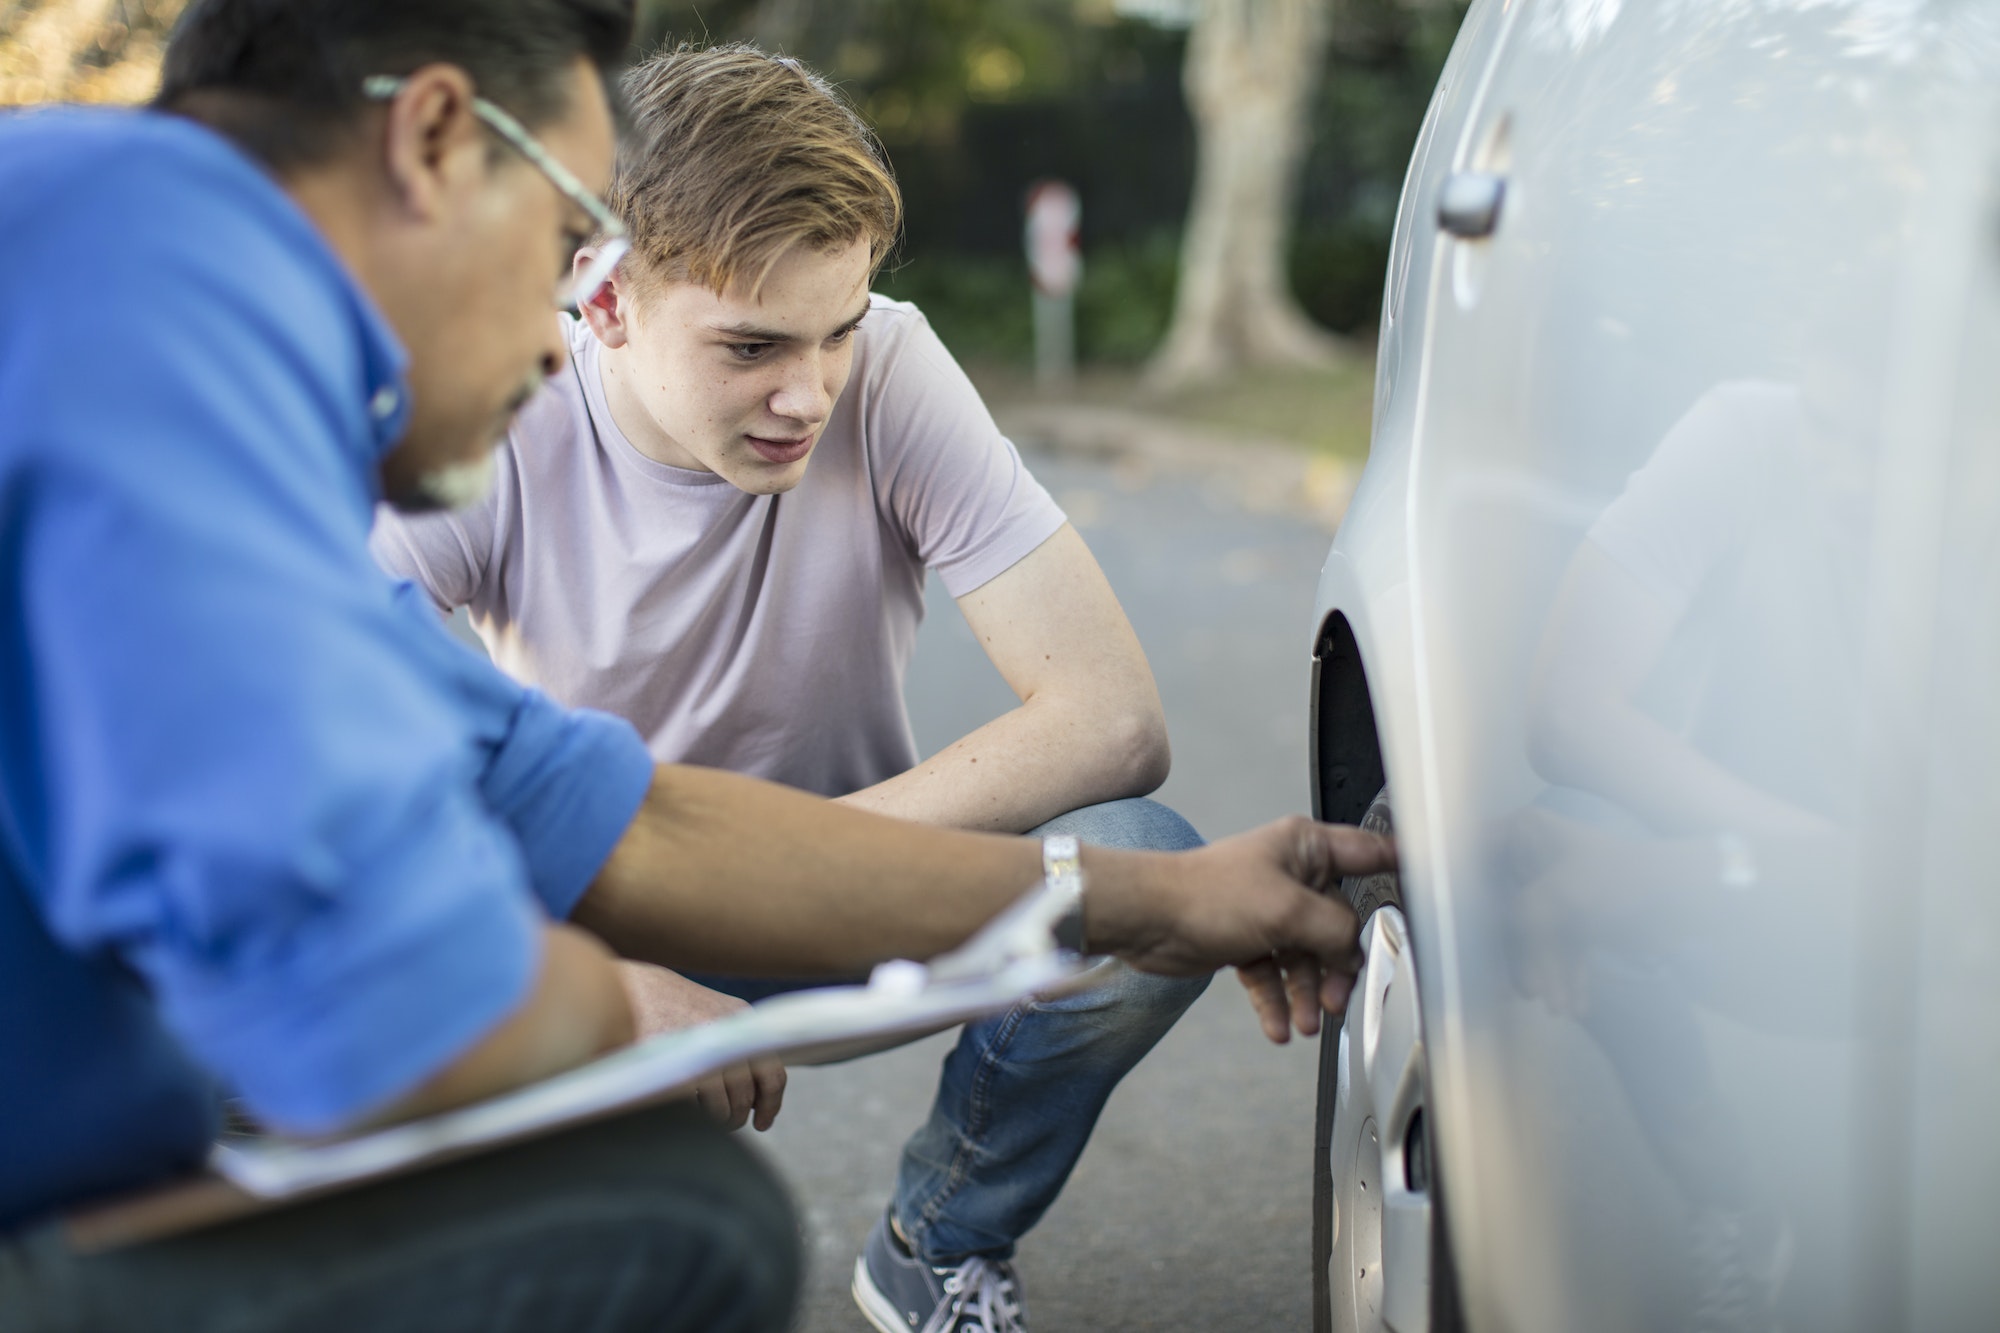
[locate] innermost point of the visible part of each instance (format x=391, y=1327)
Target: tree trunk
x=1252, y=67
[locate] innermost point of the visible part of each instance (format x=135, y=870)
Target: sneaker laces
x=980, y=1297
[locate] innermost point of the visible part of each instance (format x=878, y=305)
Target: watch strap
x=1062, y=869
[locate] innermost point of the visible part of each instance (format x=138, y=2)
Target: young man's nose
x=803, y=396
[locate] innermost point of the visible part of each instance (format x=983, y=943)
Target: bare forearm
x=1027, y=766
x=726, y=873
x=1089, y=728
x=1624, y=755
x=577, y=1011
x=723, y=873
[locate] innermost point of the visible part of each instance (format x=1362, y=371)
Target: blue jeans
x=1021, y=1091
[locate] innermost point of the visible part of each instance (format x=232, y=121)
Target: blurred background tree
x=1251, y=69
x=976, y=100
x=82, y=50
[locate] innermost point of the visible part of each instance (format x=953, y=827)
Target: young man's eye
x=845, y=333
x=748, y=351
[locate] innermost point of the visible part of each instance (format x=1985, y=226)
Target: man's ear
x=609, y=312
x=433, y=143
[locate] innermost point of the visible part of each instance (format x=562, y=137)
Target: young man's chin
x=754, y=476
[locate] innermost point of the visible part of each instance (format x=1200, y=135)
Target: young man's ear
x=606, y=312
x=433, y=143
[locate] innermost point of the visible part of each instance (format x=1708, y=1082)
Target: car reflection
x=1694, y=709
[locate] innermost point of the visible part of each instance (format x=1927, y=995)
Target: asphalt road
x=1190, y=1210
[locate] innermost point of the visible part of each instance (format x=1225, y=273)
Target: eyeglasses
x=612, y=243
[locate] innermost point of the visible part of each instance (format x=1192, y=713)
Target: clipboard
x=1013, y=958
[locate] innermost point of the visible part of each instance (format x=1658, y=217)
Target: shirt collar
x=385, y=381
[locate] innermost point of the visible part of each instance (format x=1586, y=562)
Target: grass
x=1321, y=411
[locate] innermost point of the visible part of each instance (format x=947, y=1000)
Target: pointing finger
x=1328, y=853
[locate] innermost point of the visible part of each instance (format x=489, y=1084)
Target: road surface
x=1190, y=1210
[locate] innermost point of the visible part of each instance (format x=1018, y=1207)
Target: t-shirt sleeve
x=247, y=794
x=444, y=554
x=954, y=485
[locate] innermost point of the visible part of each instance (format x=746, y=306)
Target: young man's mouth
x=781, y=451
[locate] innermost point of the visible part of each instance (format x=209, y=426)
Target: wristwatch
x=1062, y=868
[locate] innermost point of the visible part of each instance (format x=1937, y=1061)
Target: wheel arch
x=1345, y=763
x=1348, y=767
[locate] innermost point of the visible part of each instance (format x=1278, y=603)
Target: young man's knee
x=1128, y=1007
x=1136, y=824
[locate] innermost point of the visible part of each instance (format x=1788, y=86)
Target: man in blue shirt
x=264, y=827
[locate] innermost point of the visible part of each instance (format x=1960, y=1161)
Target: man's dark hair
x=283, y=77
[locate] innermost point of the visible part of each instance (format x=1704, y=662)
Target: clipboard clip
x=1021, y=938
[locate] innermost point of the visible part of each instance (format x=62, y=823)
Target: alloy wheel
x=1379, y=1271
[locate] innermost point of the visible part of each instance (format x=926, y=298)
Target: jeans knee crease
x=979, y=1111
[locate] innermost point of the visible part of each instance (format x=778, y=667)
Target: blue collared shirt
x=263, y=824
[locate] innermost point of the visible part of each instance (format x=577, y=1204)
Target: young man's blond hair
x=756, y=155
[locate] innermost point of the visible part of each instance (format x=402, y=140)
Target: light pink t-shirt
x=764, y=634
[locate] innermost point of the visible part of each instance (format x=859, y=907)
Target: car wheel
x=1381, y=1257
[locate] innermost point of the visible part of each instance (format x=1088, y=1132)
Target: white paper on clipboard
x=1013, y=957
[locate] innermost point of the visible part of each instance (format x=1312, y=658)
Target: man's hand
x=666, y=1001
x=1264, y=902
x=721, y=872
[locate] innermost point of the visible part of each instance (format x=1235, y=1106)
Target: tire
x=1378, y=1206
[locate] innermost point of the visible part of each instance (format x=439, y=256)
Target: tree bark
x=1252, y=68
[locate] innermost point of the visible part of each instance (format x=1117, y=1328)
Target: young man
x=717, y=523
x=263, y=825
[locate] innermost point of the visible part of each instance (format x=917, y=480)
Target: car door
x=1655, y=499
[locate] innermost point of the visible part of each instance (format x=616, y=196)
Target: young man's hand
x=666, y=1001
x=1265, y=902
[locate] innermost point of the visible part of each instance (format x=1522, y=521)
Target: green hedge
x=980, y=306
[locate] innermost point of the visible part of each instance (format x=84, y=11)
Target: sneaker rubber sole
x=878, y=1309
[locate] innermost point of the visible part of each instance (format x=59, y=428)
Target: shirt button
x=384, y=403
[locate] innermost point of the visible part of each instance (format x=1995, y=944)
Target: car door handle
x=1469, y=203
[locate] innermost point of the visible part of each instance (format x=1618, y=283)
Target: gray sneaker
x=900, y=1293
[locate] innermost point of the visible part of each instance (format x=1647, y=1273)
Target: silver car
x=1664, y=629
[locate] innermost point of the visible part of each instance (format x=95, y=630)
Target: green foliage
x=977, y=98
x=981, y=307
x=912, y=66
x=1337, y=271
x=1126, y=298
x=977, y=303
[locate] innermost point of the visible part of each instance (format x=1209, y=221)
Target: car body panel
x=1664, y=565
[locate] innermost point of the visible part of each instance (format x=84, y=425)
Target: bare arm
x=1089, y=727
x=577, y=1010
x=726, y=873
x=1605, y=635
